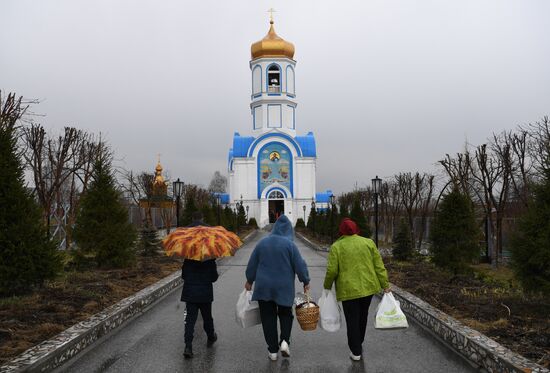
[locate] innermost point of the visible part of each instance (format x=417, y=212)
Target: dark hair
x=197, y=215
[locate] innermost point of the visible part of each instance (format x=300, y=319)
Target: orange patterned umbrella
x=201, y=243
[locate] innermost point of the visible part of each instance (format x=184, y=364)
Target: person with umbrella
x=272, y=268
x=198, y=293
x=199, y=245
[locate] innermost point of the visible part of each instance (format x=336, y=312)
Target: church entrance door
x=276, y=205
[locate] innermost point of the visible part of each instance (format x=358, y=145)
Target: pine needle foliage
x=358, y=216
x=402, y=248
x=531, y=242
x=454, y=233
x=103, y=229
x=149, y=243
x=27, y=256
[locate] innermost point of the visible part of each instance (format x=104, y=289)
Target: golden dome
x=159, y=179
x=272, y=45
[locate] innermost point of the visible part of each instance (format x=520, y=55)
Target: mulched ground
x=28, y=320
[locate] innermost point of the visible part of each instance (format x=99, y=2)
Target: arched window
x=275, y=195
x=274, y=79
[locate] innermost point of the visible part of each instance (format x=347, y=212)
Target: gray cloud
x=386, y=86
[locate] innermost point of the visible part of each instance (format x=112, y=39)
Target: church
x=272, y=171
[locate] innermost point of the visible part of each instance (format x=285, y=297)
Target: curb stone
x=56, y=351
x=479, y=350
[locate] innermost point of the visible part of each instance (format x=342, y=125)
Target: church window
x=274, y=79
x=276, y=195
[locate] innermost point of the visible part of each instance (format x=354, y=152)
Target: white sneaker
x=285, y=350
x=354, y=357
x=272, y=357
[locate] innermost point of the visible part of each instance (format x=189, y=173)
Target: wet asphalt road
x=153, y=342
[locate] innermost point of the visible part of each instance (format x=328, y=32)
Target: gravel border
x=56, y=351
x=480, y=351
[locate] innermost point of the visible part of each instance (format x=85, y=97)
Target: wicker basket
x=308, y=317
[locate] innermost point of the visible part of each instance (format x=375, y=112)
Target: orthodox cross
x=271, y=11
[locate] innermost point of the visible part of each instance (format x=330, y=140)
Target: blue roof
x=307, y=144
x=224, y=200
x=229, y=158
x=241, y=144
x=323, y=197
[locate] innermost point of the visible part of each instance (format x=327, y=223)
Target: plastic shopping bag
x=389, y=314
x=247, y=312
x=330, y=312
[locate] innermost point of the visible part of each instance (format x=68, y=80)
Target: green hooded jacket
x=355, y=264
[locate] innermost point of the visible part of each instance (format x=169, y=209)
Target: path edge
x=54, y=352
x=479, y=350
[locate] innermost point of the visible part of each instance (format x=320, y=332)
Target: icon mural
x=274, y=166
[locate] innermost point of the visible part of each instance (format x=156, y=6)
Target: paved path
x=154, y=341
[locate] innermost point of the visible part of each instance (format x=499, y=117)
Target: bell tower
x=273, y=104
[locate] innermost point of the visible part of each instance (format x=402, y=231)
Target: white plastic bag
x=330, y=312
x=247, y=312
x=389, y=314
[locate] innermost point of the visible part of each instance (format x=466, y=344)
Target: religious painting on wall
x=275, y=166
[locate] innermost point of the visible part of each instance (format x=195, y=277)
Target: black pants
x=356, y=312
x=191, y=319
x=268, y=313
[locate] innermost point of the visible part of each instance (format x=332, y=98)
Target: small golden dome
x=272, y=45
x=159, y=179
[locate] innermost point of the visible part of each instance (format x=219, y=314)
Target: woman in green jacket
x=354, y=263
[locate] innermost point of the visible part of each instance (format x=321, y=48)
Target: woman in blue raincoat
x=272, y=268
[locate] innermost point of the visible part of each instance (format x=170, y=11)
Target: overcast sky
x=385, y=85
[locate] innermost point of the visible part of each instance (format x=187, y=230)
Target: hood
x=283, y=227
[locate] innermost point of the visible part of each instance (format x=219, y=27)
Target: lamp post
x=314, y=214
x=247, y=207
x=177, y=187
x=376, y=185
x=332, y=208
x=304, y=208
x=219, y=202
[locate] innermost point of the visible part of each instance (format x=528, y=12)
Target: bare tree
x=494, y=176
x=53, y=161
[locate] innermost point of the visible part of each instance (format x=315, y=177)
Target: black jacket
x=198, y=278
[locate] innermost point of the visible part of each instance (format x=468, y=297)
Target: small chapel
x=272, y=171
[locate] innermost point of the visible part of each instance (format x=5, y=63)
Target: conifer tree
x=454, y=232
x=402, y=243
x=358, y=216
x=531, y=242
x=189, y=208
x=102, y=225
x=149, y=243
x=312, y=220
x=27, y=256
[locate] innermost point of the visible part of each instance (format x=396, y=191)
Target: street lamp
x=332, y=208
x=376, y=186
x=247, y=207
x=219, y=202
x=304, y=208
x=314, y=214
x=177, y=187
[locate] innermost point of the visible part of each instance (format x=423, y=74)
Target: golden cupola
x=272, y=45
x=159, y=185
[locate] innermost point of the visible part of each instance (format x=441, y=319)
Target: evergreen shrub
x=300, y=223
x=27, y=256
x=252, y=222
x=454, y=233
x=402, y=243
x=102, y=228
x=531, y=242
